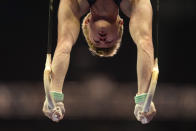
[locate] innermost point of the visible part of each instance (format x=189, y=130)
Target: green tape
x=140, y=98
x=58, y=97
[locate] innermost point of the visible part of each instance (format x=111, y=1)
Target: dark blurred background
x=99, y=91
x=24, y=39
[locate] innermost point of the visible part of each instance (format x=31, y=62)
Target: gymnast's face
x=103, y=33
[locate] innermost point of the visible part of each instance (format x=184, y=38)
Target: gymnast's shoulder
x=126, y=6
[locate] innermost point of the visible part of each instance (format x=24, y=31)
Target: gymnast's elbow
x=64, y=47
x=146, y=45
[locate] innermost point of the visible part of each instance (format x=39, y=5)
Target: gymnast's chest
x=104, y=3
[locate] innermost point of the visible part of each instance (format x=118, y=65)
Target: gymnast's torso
x=91, y=2
x=105, y=7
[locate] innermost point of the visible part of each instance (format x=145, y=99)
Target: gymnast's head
x=103, y=35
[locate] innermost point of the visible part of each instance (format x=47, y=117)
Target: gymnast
x=103, y=30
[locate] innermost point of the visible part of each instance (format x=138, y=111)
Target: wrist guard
x=140, y=98
x=58, y=97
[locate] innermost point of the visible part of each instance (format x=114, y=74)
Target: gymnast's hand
x=143, y=117
x=55, y=114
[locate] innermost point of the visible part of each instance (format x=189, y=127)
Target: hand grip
x=47, y=80
x=151, y=90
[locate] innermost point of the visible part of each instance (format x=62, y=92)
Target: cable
x=50, y=26
x=157, y=28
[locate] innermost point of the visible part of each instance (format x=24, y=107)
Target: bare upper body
x=103, y=28
x=105, y=7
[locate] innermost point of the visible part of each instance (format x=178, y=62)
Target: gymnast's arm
x=140, y=27
x=68, y=31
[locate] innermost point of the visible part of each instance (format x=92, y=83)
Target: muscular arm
x=141, y=32
x=68, y=31
x=140, y=27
